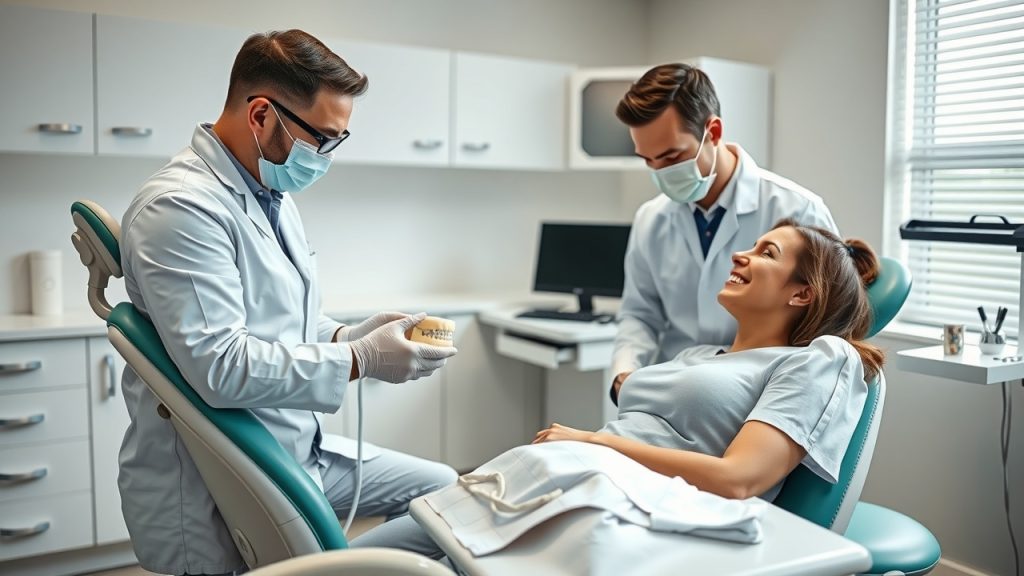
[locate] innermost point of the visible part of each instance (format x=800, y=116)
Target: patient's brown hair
x=838, y=273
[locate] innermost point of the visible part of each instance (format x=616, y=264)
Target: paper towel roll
x=47, y=297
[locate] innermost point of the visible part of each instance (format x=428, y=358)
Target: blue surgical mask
x=682, y=182
x=300, y=170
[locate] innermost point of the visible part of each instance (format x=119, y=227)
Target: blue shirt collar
x=257, y=189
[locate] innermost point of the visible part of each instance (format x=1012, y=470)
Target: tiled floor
x=359, y=526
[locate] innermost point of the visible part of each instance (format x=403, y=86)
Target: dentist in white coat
x=214, y=253
x=714, y=201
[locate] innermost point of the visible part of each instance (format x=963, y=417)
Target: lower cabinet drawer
x=43, y=469
x=43, y=416
x=39, y=525
x=547, y=355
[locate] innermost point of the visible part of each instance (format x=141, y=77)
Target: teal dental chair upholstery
x=898, y=544
x=273, y=509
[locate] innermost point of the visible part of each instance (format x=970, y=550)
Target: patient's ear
x=803, y=296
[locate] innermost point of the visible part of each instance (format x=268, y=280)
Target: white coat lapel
x=690, y=234
x=211, y=152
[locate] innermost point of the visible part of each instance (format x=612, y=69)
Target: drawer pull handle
x=6, y=533
x=9, y=423
x=134, y=131
x=111, y=376
x=60, y=128
x=19, y=367
x=476, y=146
x=24, y=476
x=427, y=144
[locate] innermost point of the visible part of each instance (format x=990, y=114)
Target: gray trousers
x=390, y=482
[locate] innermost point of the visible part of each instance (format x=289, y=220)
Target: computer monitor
x=581, y=259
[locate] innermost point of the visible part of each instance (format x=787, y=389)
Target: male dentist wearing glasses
x=214, y=253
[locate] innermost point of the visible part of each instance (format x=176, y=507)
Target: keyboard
x=560, y=315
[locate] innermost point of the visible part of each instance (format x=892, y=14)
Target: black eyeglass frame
x=326, y=143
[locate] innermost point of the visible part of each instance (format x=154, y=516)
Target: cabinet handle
x=6, y=424
x=60, y=128
x=23, y=477
x=19, y=367
x=134, y=131
x=476, y=146
x=427, y=144
x=6, y=533
x=111, y=376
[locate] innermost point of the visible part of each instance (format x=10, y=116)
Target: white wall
x=367, y=223
x=937, y=458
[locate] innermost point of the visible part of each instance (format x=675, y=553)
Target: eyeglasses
x=327, y=144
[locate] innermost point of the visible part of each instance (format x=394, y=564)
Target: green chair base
x=896, y=541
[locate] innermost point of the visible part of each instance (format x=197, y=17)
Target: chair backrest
x=272, y=508
x=805, y=493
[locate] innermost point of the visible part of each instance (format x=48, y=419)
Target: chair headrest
x=888, y=292
x=96, y=238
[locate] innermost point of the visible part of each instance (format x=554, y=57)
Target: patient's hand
x=558, y=432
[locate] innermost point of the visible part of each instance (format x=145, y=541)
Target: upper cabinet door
x=156, y=80
x=45, y=81
x=403, y=116
x=509, y=113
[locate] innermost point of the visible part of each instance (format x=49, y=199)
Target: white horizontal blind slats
x=957, y=149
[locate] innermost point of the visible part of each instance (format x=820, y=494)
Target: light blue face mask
x=300, y=170
x=682, y=182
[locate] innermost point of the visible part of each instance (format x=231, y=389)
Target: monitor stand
x=584, y=314
x=586, y=303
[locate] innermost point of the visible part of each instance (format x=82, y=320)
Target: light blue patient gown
x=699, y=400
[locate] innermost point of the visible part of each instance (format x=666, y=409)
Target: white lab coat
x=670, y=298
x=241, y=322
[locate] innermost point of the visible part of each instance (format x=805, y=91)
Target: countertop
x=343, y=307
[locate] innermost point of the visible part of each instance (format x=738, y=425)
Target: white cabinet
x=745, y=95
x=403, y=117
x=109, y=422
x=492, y=403
x=45, y=488
x=403, y=417
x=156, y=80
x=46, y=70
x=509, y=113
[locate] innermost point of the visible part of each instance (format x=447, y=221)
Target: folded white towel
x=504, y=498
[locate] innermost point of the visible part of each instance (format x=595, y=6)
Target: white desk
x=576, y=356
x=970, y=366
x=792, y=546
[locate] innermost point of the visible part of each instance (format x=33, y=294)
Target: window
x=956, y=149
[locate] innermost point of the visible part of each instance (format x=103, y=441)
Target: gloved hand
x=386, y=354
x=350, y=333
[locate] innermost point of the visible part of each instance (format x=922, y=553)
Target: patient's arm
x=759, y=457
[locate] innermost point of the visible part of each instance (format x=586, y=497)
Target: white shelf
x=971, y=366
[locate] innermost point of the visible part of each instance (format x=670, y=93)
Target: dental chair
x=898, y=544
x=273, y=509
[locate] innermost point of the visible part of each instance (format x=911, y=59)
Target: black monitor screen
x=581, y=258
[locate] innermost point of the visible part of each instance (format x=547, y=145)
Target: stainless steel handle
x=476, y=146
x=135, y=131
x=23, y=532
x=8, y=423
x=19, y=367
x=24, y=476
x=111, y=376
x=60, y=128
x=427, y=144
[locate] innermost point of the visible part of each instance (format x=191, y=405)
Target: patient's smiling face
x=761, y=281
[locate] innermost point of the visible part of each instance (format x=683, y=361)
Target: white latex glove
x=386, y=354
x=350, y=333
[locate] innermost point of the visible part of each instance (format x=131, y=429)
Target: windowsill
x=926, y=335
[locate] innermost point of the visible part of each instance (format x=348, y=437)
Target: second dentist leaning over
x=714, y=201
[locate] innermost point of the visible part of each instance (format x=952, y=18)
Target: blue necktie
x=706, y=230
